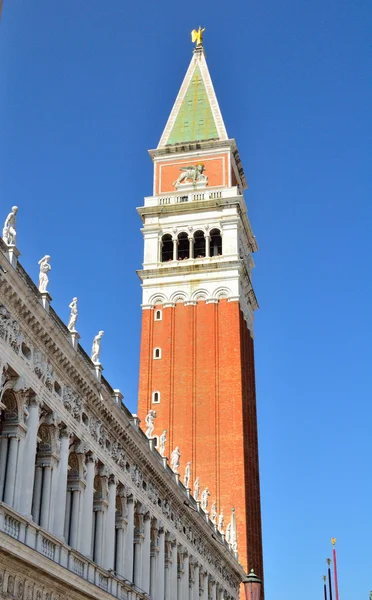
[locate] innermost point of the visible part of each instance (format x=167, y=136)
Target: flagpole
x=333, y=540
x=325, y=587
x=329, y=578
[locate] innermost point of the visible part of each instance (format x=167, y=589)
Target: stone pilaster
x=60, y=505
x=146, y=553
x=110, y=525
x=29, y=454
x=160, y=566
x=11, y=470
x=87, y=512
x=129, y=536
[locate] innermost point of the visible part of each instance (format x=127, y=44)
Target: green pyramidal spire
x=196, y=115
x=195, y=120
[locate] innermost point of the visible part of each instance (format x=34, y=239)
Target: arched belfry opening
x=199, y=244
x=183, y=246
x=216, y=243
x=166, y=248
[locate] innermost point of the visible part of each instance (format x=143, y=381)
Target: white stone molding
x=200, y=294
x=178, y=297
x=157, y=299
x=169, y=304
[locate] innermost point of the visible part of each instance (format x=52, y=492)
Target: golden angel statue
x=197, y=36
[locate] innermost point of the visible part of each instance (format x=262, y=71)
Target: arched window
x=216, y=242
x=158, y=315
x=199, y=244
x=156, y=397
x=183, y=246
x=157, y=353
x=166, y=248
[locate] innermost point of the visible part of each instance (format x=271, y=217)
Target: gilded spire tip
x=197, y=37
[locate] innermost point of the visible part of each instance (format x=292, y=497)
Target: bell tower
x=197, y=351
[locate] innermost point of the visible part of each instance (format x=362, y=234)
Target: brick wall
x=208, y=406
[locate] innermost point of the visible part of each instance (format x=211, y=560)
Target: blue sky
x=85, y=90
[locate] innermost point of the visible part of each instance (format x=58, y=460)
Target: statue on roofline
x=162, y=442
x=187, y=477
x=9, y=229
x=175, y=460
x=150, y=423
x=43, y=275
x=96, y=347
x=204, y=499
x=73, y=315
x=197, y=489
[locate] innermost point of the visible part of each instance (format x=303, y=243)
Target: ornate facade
x=88, y=507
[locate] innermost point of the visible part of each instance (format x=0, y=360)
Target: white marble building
x=88, y=507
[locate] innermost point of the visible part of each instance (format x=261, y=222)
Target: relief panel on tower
x=211, y=171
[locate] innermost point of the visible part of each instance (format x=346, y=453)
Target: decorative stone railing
x=197, y=196
x=33, y=536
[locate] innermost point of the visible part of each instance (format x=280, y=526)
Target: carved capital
x=53, y=418
x=63, y=431
x=90, y=457
x=112, y=480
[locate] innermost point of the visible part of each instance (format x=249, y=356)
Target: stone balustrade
x=197, y=196
x=41, y=541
